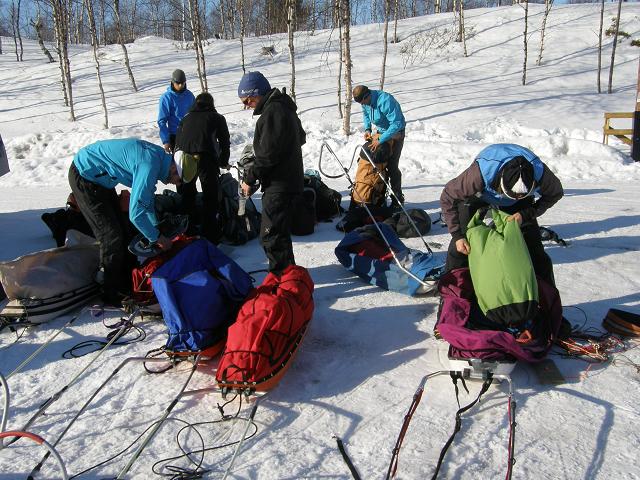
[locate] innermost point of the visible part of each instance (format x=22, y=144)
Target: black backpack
x=327, y=200
x=401, y=224
x=303, y=221
x=236, y=229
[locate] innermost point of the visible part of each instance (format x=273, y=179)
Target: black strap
x=458, y=424
x=347, y=460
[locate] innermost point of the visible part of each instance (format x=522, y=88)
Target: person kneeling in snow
x=95, y=171
x=507, y=177
x=277, y=145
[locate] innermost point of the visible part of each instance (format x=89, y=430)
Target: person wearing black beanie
x=277, y=146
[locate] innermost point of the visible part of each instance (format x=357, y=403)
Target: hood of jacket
x=275, y=96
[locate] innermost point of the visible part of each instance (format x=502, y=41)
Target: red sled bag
x=268, y=330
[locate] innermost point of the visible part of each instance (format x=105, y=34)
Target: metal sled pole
x=393, y=253
x=244, y=435
x=5, y=411
x=88, y=402
x=40, y=441
x=388, y=185
x=158, y=423
x=47, y=342
x=60, y=392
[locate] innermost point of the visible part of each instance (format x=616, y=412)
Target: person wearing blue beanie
x=277, y=147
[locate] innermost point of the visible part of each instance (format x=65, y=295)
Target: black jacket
x=204, y=131
x=277, y=143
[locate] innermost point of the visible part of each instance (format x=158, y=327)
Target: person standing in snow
x=175, y=102
x=507, y=177
x=277, y=146
x=94, y=173
x=383, y=110
x=203, y=134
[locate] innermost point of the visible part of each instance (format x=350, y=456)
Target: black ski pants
x=395, y=176
x=101, y=208
x=530, y=232
x=208, y=173
x=275, y=229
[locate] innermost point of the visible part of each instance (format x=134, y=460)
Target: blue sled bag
x=199, y=291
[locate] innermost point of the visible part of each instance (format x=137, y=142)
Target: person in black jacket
x=203, y=133
x=277, y=146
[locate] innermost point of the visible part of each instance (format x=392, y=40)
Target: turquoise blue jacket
x=385, y=113
x=172, y=109
x=131, y=162
x=491, y=159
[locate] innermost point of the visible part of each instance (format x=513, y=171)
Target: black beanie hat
x=517, y=180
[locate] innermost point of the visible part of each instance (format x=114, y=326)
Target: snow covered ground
x=367, y=349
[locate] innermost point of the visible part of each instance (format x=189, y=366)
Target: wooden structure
x=623, y=134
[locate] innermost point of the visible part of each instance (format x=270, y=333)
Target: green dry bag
x=501, y=270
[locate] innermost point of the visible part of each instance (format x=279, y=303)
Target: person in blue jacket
x=175, y=103
x=382, y=110
x=94, y=173
x=510, y=178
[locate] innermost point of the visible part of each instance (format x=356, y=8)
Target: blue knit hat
x=253, y=84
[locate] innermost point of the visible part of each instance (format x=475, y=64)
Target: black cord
x=95, y=345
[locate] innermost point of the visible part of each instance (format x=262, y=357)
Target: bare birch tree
x=15, y=26
x=385, y=42
x=38, y=26
x=547, y=8
x=94, y=43
x=291, y=16
x=125, y=53
x=196, y=29
x=463, y=34
x=613, y=47
x=396, y=9
x=338, y=21
x=526, y=25
x=240, y=6
x=61, y=27
x=345, y=11
x=600, y=44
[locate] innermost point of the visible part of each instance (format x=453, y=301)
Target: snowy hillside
x=366, y=349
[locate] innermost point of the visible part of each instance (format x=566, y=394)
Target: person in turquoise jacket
x=175, y=103
x=382, y=110
x=94, y=173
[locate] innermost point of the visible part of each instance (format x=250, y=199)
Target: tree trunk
x=291, y=14
x=94, y=42
x=526, y=24
x=223, y=19
x=436, y=6
x=116, y=9
x=547, y=8
x=395, y=22
x=14, y=30
x=37, y=26
x=62, y=35
x=18, y=29
x=242, y=32
x=600, y=45
x=463, y=35
x=613, y=48
x=338, y=20
x=196, y=30
x=346, y=48
x=385, y=44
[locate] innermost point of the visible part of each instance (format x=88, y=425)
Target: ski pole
x=159, y=423
x=5, y=411
x=244, y=435
x=88, y=402
x=60, y=392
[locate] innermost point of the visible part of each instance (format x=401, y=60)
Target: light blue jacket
x=131, y=162
x=385, y=113
x=173, y=107
x=492, y=158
